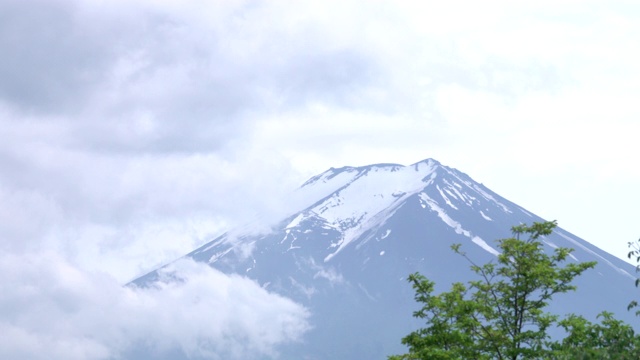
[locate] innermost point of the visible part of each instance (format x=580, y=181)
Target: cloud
x=167, y=77
x=328, y=273
x=51, y=309
x=129, y=215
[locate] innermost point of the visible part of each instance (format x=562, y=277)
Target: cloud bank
x=51, y=310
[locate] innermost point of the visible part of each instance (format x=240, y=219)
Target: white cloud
x=51, y=309
x=328, y=273
x=123, y=212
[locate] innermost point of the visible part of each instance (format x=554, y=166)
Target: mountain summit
x=346, y=254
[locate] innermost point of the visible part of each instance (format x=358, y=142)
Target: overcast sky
x=133, y=131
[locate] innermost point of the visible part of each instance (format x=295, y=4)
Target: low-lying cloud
x=52, y=310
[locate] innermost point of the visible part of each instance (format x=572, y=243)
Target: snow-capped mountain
x=346, y=254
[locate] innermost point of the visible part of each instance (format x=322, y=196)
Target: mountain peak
x=427, y=161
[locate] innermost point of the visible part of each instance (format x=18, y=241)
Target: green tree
x=501, y=315
x=612, y=339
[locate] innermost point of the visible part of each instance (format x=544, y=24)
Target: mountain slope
x=346, y=253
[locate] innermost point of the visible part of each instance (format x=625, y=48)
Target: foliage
x=612, y=339
x=501, y=315
x=635, y=253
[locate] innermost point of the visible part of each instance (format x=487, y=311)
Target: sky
x=133, y=131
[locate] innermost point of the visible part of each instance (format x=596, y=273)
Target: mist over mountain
x=346, y=253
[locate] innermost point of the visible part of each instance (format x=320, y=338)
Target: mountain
x=347, y=252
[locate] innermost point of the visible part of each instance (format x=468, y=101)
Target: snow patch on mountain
x=211, y=245
x=218, y=255
x=455, y=188
x=483, y=244
x=526, y=212
x=478, y=189
x=433, y=205
x=367, y=293
x=446, y=199
x=583, y=247
x=488, y=196
x=295, y=222
x=353, y=210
